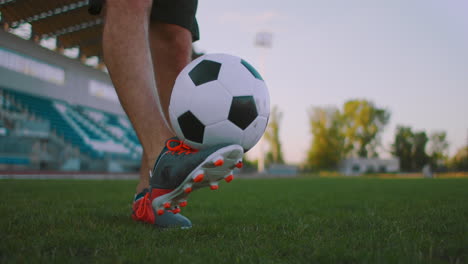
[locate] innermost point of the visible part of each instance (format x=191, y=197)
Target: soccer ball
x=219, y=98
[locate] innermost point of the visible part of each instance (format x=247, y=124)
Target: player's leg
x=127, y=56
x=173, y=27
x=180, y=169
x=171, y=50
x=143, y=175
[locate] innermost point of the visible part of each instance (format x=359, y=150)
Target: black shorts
x=177, y=12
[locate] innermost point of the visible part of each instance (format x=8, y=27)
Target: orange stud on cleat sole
x=219, y=162
x=214, y=187
x=176, y=211
x=160, y=212
x=229, y=178
x=183, y=204
x=199, y=178
x=239, y=164
x=167, y=205
x=188, y=190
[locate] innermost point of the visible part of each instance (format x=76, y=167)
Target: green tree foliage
x=438, y=147
x=402, y=147
x=420, y=157
x=275, y=155
x=249, y=164
x=459, y=162
x=363, y=122
x=327, y=139
x=410, y=148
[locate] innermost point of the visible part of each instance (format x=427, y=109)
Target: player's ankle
x=151, y=155
x=141, y=187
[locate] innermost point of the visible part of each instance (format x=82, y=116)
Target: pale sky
x=409, y=56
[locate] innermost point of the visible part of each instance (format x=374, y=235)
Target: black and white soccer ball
x=219, y=98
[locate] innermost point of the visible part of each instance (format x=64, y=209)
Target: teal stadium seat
x=110, y=136
x=44, y=108
x=98, y=121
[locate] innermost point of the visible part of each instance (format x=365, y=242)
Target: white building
x=357, y=166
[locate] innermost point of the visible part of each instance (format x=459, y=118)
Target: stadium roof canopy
x=66, y=20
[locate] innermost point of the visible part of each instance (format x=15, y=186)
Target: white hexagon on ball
x=238, y=84
x=181, y=95
x=254, y=132
x=208, y=97
x=262, y=98
x=223, y=132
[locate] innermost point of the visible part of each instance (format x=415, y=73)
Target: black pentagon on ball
x=252, y=70
x=191, y=127
x=243, y=111
x=205, y=71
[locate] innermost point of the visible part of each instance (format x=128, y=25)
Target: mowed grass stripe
x=247, y=221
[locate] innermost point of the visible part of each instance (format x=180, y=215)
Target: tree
x=438, y=147
x=410, y=148
x=420, y=157
x=459, y=162
x=402, y=147
x=249, y=165
x=275, y=155
x=363, y=122
x=327, y=138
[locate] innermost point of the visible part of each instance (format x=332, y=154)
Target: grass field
x=248, y=221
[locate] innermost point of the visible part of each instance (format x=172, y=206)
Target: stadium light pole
x=263, y=40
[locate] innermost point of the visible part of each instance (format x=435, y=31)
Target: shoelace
x=180, y=148
x=145, y=210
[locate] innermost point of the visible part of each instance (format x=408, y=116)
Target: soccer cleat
x=188, y=189
x=173, y=220
x=160, y=212
x=143, y=212
x=179, y=170
x=199, y=176
x=219, y=161
x=214, y=186
x=229, y=178
x=142, y=209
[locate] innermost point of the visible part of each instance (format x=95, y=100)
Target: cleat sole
x=188, y=190
x=199, y=177
x=202, y=176
x=218, y=162
x=229, y=178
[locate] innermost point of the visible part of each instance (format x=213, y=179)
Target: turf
x=248, y=221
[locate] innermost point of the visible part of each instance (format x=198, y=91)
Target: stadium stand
x=115, y=127
x=7, y=103
x=95, y=134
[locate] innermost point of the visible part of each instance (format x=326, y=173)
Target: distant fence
x=419, y=175
x=416, y=175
